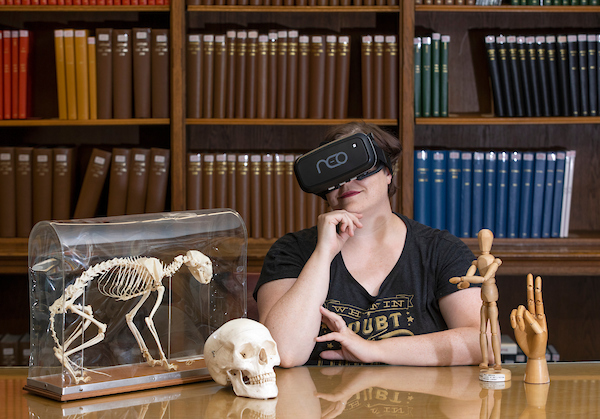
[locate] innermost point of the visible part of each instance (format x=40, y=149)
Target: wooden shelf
x=81, y=122
x=296, y=9
x=488, y=119
x=282, y=121
x=509, y=9
x=64, y=9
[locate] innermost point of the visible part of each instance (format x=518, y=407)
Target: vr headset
x=329, y=166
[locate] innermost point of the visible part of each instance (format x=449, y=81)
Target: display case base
x=119, y=379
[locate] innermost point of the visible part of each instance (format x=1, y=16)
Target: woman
x=368, y=285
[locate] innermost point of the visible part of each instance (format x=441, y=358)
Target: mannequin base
x=492, y=375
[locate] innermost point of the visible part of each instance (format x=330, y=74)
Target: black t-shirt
x=407, y=303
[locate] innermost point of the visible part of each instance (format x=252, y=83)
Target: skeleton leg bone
x=136, y=333
x=160, y=291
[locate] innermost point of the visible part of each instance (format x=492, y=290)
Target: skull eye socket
x=247, y=351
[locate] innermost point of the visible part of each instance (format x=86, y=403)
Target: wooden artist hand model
x=531, y=332
x=121, y=279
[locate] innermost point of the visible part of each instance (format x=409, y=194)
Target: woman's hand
x=354, y=348
x=335, y=228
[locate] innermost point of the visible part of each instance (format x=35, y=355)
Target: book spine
x=559, y=184
x=539, y=179
x=282, y=72
x=515, y=78
x=438, y=189
x=194, y=181
x=142, y=67
x=160, y=75
x=493, y=66
x=240, y=73
x=316, y=109
x=23, y=190
x=230, y=75
x=24, y=105
x=242, y=182
x=118, y=181
x=272, y=87
x=42, y=184
x=93, y=183
x=489, y=190
x=290, y=188
x=422, y=190
x=514, y=195
x=573, y=75
x=220, y=75
x=267, y=197
x=478, y=192
x=532, y=69
x=525, y=82
x=208, y=58
x=104, y=72
x=453, y=203
x=2, y=74
x=92, y=77
x=542, y=66
x=220, y=179
x=193, y=76
x=366, y=68
x=69, y=43
x=568, y=192
x=592, y=47
x=583, y=74
x=300, y=200
x=378, y=76
x=526, y=194
x=504, y=74
x=552, y=64
x=208, y=181
x=549, y=186
x=562, y=57
x=436, y=40
x=417, y=75
x=231, y=180
x=81, y=74
x=262, y=76
x=158, y=179
x=8, y=216
x=251, y=77
x=122, y=74
x=466, y=190
x=390, y=77
x=292, y=75
x=7, y=70
x=278, y=195
x=61, y=78
x=330, y=75
x=255, y=196
x=342, y=79
x=303, y=75
x=444, y=51
x=502, y=163
x=15, y=75
x=62, y=183
x=137, y=184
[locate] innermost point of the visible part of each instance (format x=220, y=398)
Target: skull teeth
x=259, y=379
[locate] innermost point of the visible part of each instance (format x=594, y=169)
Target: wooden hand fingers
x=520, y=318
x=539, y=304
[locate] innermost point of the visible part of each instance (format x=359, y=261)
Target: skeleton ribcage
x=127, y=280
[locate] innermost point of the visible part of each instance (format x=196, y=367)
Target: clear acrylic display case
x=95, y=269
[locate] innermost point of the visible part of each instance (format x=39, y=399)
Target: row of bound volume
x=39, y=184
x=85, y=2
x=342, y=3
x=116, y=73
x=431, y=75
x=516, y=194
x=279, y=74
x=15, y=86
x=550, y=75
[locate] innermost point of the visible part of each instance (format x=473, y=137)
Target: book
x=489, y=190
x=8, y=216
x=24, y=191
x=272, y=79
x=574, y=75
x=422, y=188
x=255, y=191
x=592, y=58
x=494, y=70
x=262, y=75
x=266, y=195
x=366, y=69
x=514, y=75
x=92, y=77
x=532, y=70
x=278, y=193
x=137, y=182
x=453, y=195
x=251, y=77
x=282, y=72
x=527, y=172
x=158, y=179
x=220, y=76
x=289, y=188
x=502, y=168
x=242, y=182
x=231, y=180
x=93, y=184
x=514, y=195
x=14, y=78
x=553, y=84
x=208, y=180
x=390, y=76
x=6, y=73
x=466, y=193
x=118, y=181
x=71, y=81
x=477, y=192
x=303, y=75
x=330, y=76
x=444, y=51
x=567, y=194
x=342, y=79
x=549, y=185
x=2, y=75
x=525, y=82
x=583, y=74
x=240, y=73
x=161, y=80
x=61, y=79
x=417, y=75
x=300, y=202
x=292, y=76
x=559, y=183
x=193, y=76
x=230, y=75
x=42, y=184
x=562, y=57
x=25, y=74
x=142, y=66
x=81, y=74
x=122, y=74
x=208, y=45
x=504, y=74
x=220, y=180
x=316, y=107
x=426, y=75
x=62, y=182
x=104, y=72
x=194, y=181
x=436, y=39
x=542, y=80
x=538, y=188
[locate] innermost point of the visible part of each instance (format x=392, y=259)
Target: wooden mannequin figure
x=487, y=265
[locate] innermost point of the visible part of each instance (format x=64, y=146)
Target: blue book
x=548, y=194
x=438, y=189
x=539, y=183
x=422, y=192
x=453, y=187
x=526, y=194
x=514, y=195
x=502, y=163
x=466, y=191
x=489, y=190
x=559, y=185
x=477, y=197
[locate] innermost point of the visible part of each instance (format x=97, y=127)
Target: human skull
x=243, y=352
x=199, y=265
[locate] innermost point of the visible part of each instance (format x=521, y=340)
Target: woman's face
x=360, y=195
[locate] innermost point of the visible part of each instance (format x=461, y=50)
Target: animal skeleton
x=121, y=279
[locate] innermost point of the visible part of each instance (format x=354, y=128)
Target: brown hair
x=388, y=142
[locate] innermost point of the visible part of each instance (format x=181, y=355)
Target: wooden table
x=345, y=392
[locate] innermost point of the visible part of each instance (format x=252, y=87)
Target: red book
x=1, y=79
x=24, y=74
x=14, y=78
x=7, y=70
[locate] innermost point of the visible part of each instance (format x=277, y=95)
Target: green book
x=417, y=58
x=426, y=76
x=436, y=39
x=444, y=75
